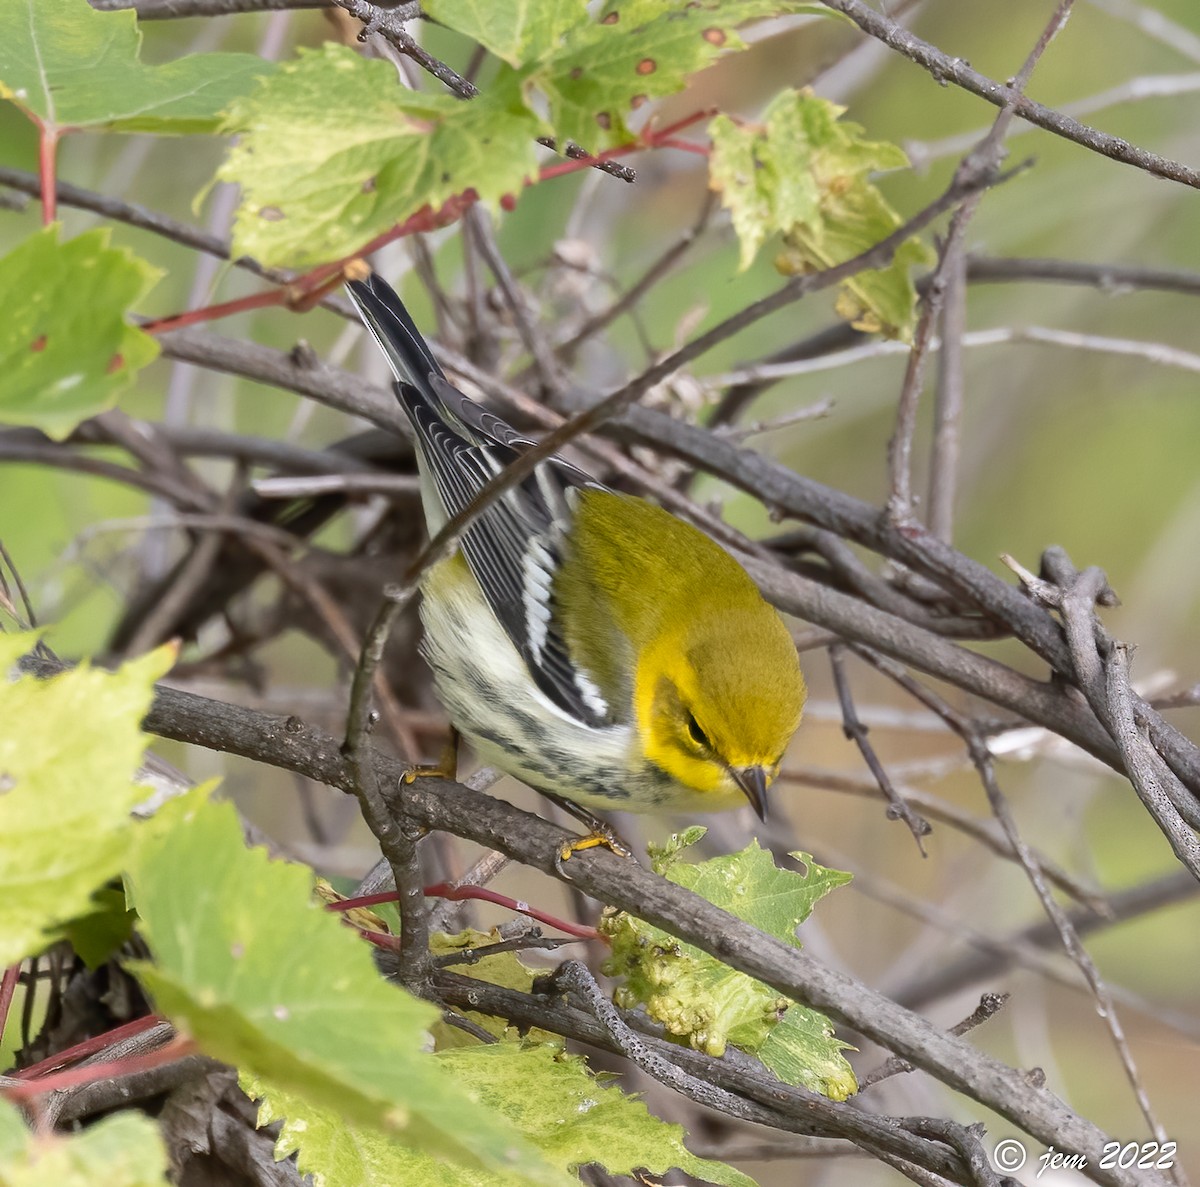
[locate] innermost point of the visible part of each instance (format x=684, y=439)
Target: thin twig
x=982, y=829
x=948, y=403
x=1158, y=353
x=546, y=365
x=161, y=10
x=945, y=68
x=313, y=485
x=389, y=22
x=397, y=834
x=990, y=1004
x=575, y=153
x=1110, y=278
x=31, y=619
x=756, y=428
x=874, y=257
x=983, y=159
x=1154, y=24
x=1089, y=585
x=142, y=217
x=658, y=270
x=995, y=957
x=185, y=581
x=8, y=987
x=990, y=960
x=1133, y=90
x=529, y=940
x=856, y=732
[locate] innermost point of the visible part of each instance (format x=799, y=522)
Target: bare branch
x=945, y=68
x=389, y=20
x=856, y=732
x=454, y=808
x=397, y=835
x=161, y=10
x=947, y=409
x=1087, y=587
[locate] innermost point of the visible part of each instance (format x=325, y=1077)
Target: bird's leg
x=600, y=834
x=446, y=766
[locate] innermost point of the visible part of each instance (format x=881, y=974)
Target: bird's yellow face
x=717, y=708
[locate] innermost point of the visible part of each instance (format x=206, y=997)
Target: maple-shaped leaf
x=702, y=1001
x=249, y=964
x=632, y=51
x=332, y=152
x=67, y=349
x=803, y=173
x=69, y=749
x=68, y=67
x=547, y=1098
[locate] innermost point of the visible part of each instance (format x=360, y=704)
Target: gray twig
x=162, y=10
x=450, y=806
x=1087, y=587
x=945, y=68
x=397, y=833
x=856, y=732
x=948, y=404
x=984, y=159
x=389, y=20
x=990, y=1004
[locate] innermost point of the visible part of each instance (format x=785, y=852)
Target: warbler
x=588, y=642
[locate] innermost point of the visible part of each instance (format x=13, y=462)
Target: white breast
x=492, y=700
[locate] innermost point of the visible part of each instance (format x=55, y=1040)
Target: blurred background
x=1090, y=446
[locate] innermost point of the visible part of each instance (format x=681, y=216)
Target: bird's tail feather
x=387, y=319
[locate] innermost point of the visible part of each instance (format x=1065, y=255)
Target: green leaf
x=803, y=173
x=332, y=152
x=97, y=935
x=548, y=1098
x=69, y=749
x=802, y=1049
x=635, y=50
x=263, y=977
x=518, y=31
x=704, y=1002
x=124, y=1150
x=66, y=348
x=68, y=66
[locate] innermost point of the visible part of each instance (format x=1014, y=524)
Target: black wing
x=513, y=546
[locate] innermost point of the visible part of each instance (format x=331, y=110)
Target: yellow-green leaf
x=803, y=173
x=631, y=51
x=332, y=152
x=69, y=749
x=517, y=31
x=707, y=1004
x=549, y=1099
x=263, y=977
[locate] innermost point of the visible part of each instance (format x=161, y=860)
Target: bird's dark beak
x=753, y=781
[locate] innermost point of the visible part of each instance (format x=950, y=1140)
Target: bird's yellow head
x=718, y=702
x=717, y=690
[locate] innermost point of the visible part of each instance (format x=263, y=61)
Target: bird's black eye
x=696, y=733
